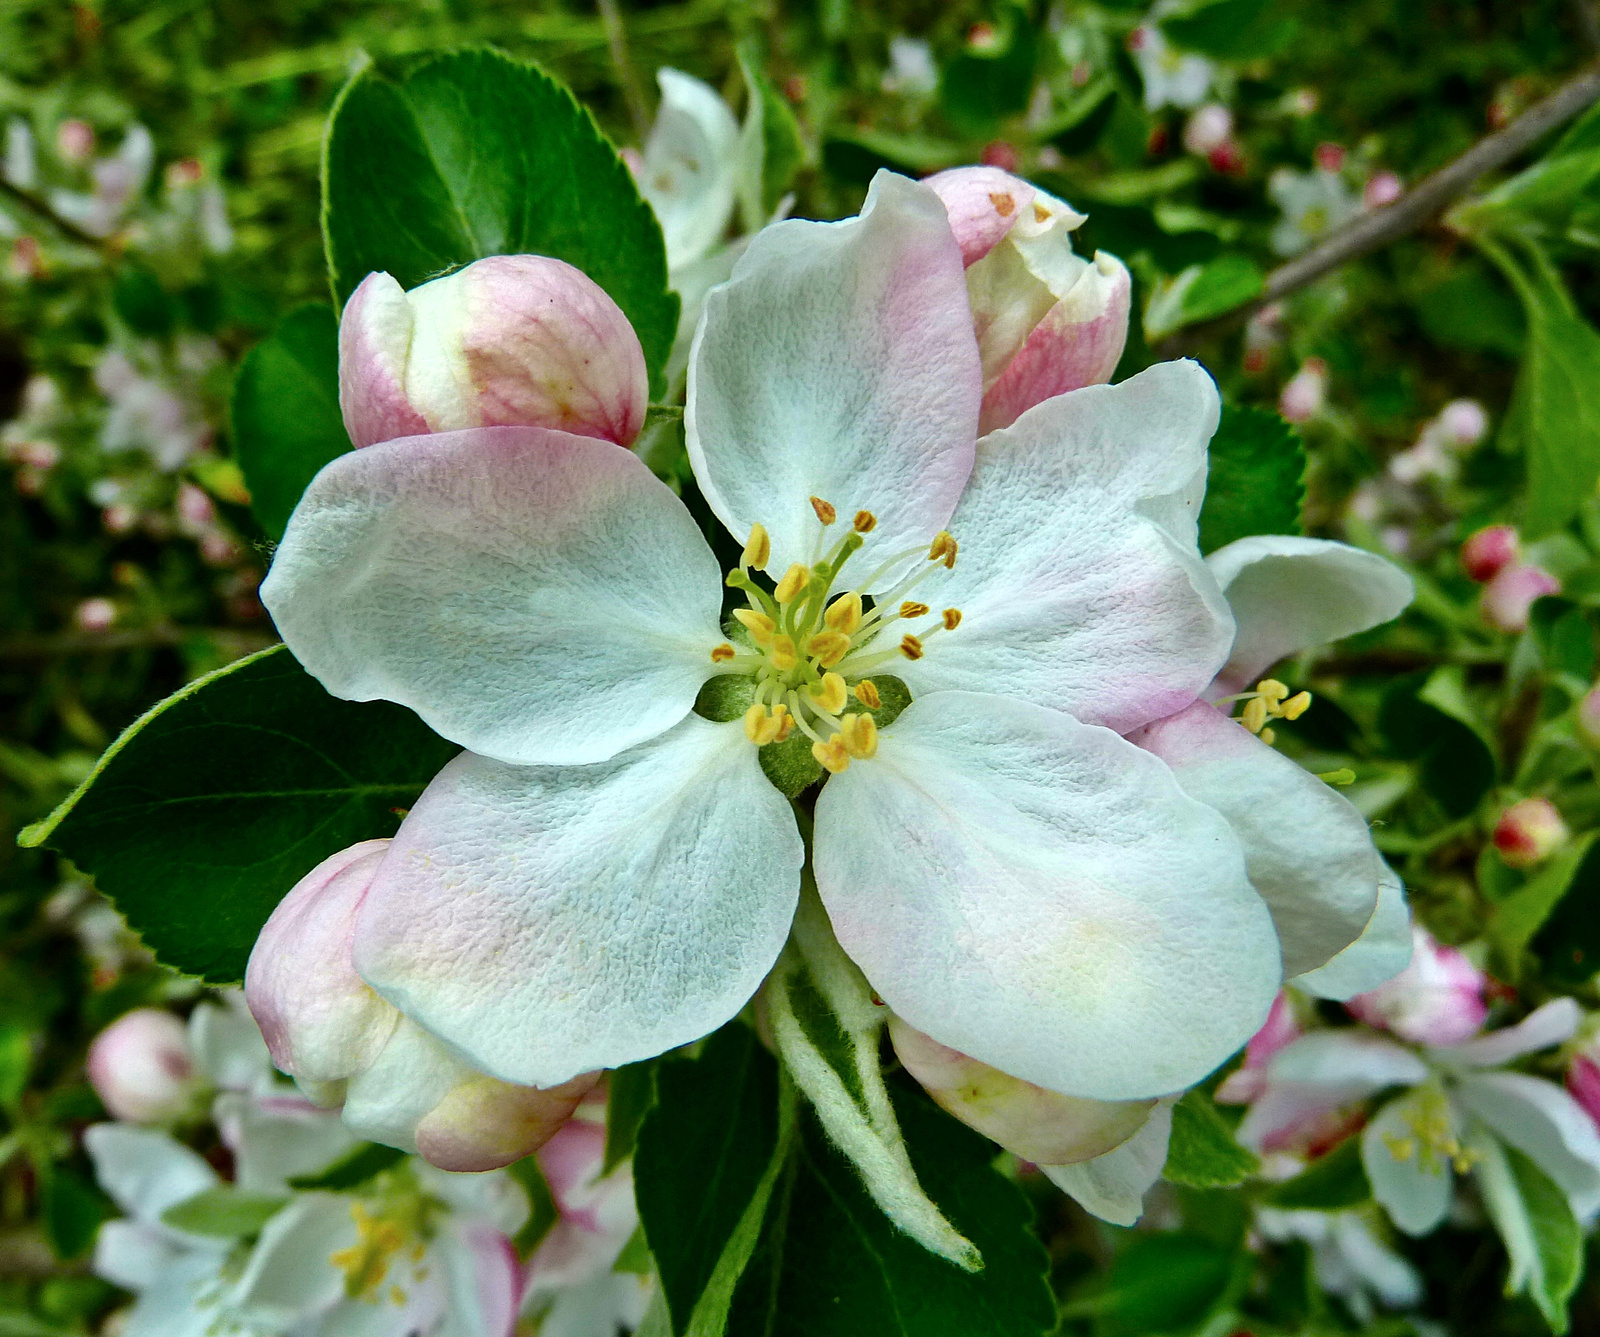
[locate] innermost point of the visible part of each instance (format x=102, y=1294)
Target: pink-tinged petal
x=1509, y=597
x=484, y=1124
x=983, y=203
x=525, y=341
x=1038, y=1125
x=1546, y=1125
x=1078, y=580
x=1039, y=894
x=1249, y=1081
x=548, y=921
x=1078, y=342
x=1529, y=832
x=321, y=1021
x=374, y=347
x=839, y=362
x=486, y=1278
x=1545, y=1027
x=1381, y=952
x=141, y=1067
x=1583, y=1081
x=1307, y=848
x=535, y=596
x=1436, y=1000
x=1489, y=551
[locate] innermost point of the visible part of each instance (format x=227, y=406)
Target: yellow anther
x=844, y=614
x=720, y=654
x=952, y=618
x=762, y=726
x=757, y=548
x=1255, y=714
x=830, y=694
x=865, y=522
x=943, y=548
x=758, y=624
x=1269, y=737
x=911, y=608
x=781, y=654
x=833, y=755
x=867, y=693
x=911, y=647
x=1401, y=1148
x=828, y=647
x=824, y=510
x=793, y=584
x=860, y=735
x=1272, y=689
x=1296, y=706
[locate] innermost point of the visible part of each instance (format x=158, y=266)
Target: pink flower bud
x=326, y=1027
x=196, y=513
x=1587, y=720
x=1209, y=128
x=1047, y=320
x=119, y=517
x=1508, y=597
x=1330, y=157
x=1041, y=1126
x=27, y=259
x=1529, y=832
x=141, y=1068
x=95, y=615
x=1489, y=551
x=511, y=340
x=1248, y=1082
x=1465, y=422
x=1436, y=1000
x=1382, y=188
x=1583, y=1081
x=75, y=140
x=1227, y=158
x=1302, y=398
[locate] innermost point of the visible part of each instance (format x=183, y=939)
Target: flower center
x=812, y=642
x=389, y=1232
x=1269, y=701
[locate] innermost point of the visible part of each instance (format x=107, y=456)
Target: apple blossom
x=1464, y=422
x=75, y=140
x=1246, y=1082
x=1313, y=203
x=1509, y=596
x=1436, y=1000
x=912, y=70
x=1303, y=395
x=1529, y=832
x=141, y=1069
x=1382, y=188
x=1171, y=78
x=1014, y=879
x=510, y=340
x=346, y=1046
x=689, y=171
x=1489, y=551
x=1349, y=1258
x=1208, y=128
x=95, y=615
x=118, y=181
x=1047, y=320
x=19, y=164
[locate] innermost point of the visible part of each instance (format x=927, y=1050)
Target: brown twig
x=238, y=640
x=1424, y=201
x=627, y=76
x=35, y=205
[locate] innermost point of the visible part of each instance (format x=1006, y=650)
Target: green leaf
x=1255, y=479
x=73, y=1209
x=543, y=1213
x=472, y=153
x=1542, y=1237
x=1330, y=1183
x=978, y=89
x=208, y=808
x=1557, y=913
x=1203, y=1152
x=630, y=1092
x=1201, y=292
x=224, y=1212
x=1232, y=30
x=855, y=156
x=1564, y=637
x=1160, y=1283
x=1455, y=765
x=355, y=1168
x=771, y=148
x=16, y=1062
x=286, y=419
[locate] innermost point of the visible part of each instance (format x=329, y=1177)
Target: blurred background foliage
x=175, y=147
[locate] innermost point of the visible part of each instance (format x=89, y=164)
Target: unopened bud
x=1436, y=1000
x=1465, y=422
x=1489, y=551
x=511, y=340
x=95, y=615
x=1583, y=1081
x=75, y=141
x=1208, y=128
x=1529, y=832
x=141, y=1067
x=1508, y=597
x=1382, y=188
x=1303, y=396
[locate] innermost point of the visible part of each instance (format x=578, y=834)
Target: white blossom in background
x=912, y=70
x=156, y=411
x=1305, y=392
x=19, y=165
x=1312, y=203
x=118, y=181
x=1171, y=78
x=1350, y=1259
x=1459, y=427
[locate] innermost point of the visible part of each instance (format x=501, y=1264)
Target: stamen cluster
x=1270, y=701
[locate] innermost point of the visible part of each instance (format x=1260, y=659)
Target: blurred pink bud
x=1583, y=1081
x=999, y=154
x=27, y=259
x=119, y=517
x=1529, y=832
x=325, y=1026
x=1303, y=396
x=218, y=548
x=1227, y=158
x=1249, y=1081
x=141, y=1068
x=1436, y=1000
x=75, y=140
x=40, y=455
x=983, y=37
x=1041, y=1126
x=1486, y=553
x=511, y=340
x=1208, y=128
x=196, y=513
x=1382, y=188
x=95, y=615
x=1304, y=102
x=1330, y=157
x=1588, y=717
x=184, y=172
x=1507, y=597
x=1047, y=320
x=1465, y=422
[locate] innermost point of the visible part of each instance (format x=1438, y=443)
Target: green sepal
x=1203, y=1152
x=725, y=697
x=224, y=1212
x=1330, y=1183
x=355, y=1168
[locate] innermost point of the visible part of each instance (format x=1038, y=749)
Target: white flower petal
x=182, y=1300
x=290, y=1274
x=1113, y=1186
x=1351, y=1061
x=143, y=1170
x=1288, y=1115
x=1078, y=581
x=227, y=1046
x=133, y=1255
x=1547, y=1125
x=535, y=596
x=1381, y=952
x=1289, y=594
x=1555, y=1022
x=839, y=362
x=1308, y=850
x=690, y=166
x=547, y=921
x=412, y=1074
x=1414, y=1191
x=1039, y=894
x=276, y=1139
